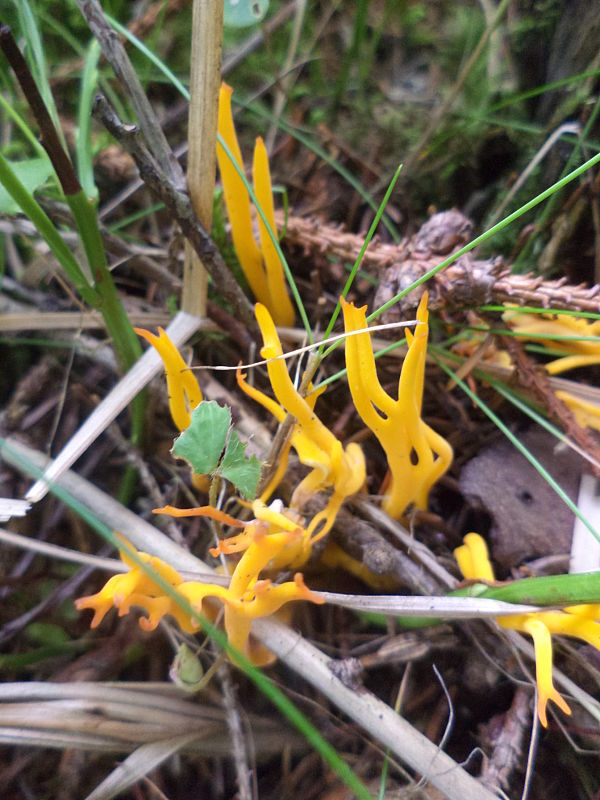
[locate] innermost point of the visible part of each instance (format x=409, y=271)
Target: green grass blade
x=536, y=310
x=547, y=212
x=11, y=113
x=310, y=144
x=550, y=337
x=549, y=590
x=37, y=59
x=152, y=57
x=83, y=147
x=539, y=90
x=358, y=261
x=51, y=236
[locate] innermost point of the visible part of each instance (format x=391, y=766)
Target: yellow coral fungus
x=247, y=597
x=281, y=305
x=317, y=447
x=416, y=454
x=138, y=588
x=575, y=621
x=237, y=200
x=182, y=386
x=267, y=281
x=580, y=352
x=586, y=414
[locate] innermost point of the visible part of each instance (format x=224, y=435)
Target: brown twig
x=464, y=283
x=116, y=55
x=236, y=732
x=508, y=743
x=49, y=137
x=534, y=378
x=181, y=211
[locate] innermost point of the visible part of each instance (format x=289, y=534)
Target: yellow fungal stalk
x=586, y=414
x=280, y=305
x=583, y=352
x=247, y=598
x=237, y=200
x=576, y=621
x=417, y=455
x=331, y=465
x=182, y=386
x=268, y=285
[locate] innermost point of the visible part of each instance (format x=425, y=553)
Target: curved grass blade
x=358, y=261
x=83, y=146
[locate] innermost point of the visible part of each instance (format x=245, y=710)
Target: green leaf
x=202, y=443
x=242, y=471
x=32, y=174
x=242, y=13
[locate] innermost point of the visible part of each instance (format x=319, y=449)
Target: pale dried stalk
x=120, y=717
x=74, y=320
x=149, y=365
x=205, y=78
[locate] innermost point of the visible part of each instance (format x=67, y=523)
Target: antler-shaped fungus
x=417, y=455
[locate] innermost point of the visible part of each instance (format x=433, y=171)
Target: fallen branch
x=467, y=282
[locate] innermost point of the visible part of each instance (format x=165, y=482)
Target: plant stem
x=205, y=77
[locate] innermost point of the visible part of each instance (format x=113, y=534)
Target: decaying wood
x=466, y=282
x=508, y=742
x=364, y=542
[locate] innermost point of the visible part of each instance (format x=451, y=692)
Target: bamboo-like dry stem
x=205, y=79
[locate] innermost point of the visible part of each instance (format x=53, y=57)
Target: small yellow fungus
x=316, y=446
x=579, y=352
x=575, y=621
x=267, y=281
x=417, y=455
x=586, y=414
x=182, y=386
x=473, y=559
